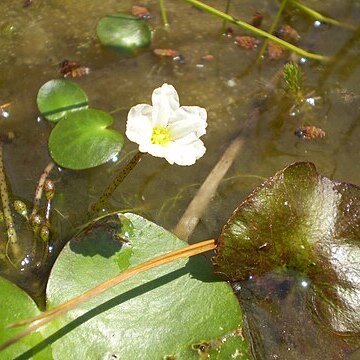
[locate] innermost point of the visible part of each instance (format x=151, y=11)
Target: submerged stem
x=227, y=9
x=9, y=221
x=253, y=29
x=163, y=13
x=122, y=173
x=273, y=26
x=40, y=188
x=36, y=322
x=321, y=17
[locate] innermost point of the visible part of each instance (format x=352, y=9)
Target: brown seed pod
x=44, y=233
x=310, y=133
x=49, y=188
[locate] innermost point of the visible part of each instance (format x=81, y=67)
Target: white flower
x=167, y=130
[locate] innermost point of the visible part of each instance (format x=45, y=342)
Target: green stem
x=273, y=26
x=123, y=172
x=163, y=13
x=11, y=232
x=227, y=9
x=321, y=17
x=256, y=31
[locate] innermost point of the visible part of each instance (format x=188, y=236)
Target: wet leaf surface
x=297, y=225
x=16, y=305
x=124, y=32
x=56, y=98
x=82, y=140
x=177, y=311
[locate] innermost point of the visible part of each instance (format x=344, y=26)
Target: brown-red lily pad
x=303, y=224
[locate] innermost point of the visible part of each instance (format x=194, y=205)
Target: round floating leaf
x=124, y=32
x=16, y=305
x=58, y=97
x=81, y=140
x=299, y=222
x=177, y=311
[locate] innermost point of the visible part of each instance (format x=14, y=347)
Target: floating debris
x=72, y=69
x=27, y=3
x=7, y=137
x=287, y=33
x=310, y=133
x=141, y=12
x=275, y=51
x=166, y=52
x=4, y=110
x=170, y=53
x=229, y=32
x=247, y=42
x=257, y=19
x=208, y=57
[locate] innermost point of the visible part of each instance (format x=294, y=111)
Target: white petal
x=153, y=149
x=188, y=123
x=165, y=101
x=138, y=125
x=184, y=154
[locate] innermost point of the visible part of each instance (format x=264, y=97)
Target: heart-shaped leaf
x=176, y=311
x=299, y=222
x=58, y=97
x=124, y=32
x=16, y=305
x=82, y=140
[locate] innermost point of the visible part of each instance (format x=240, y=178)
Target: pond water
x=36, y=38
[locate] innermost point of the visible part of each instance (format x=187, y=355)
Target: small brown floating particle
x=246, y=42
x=208, y=57
x=166, y=52
x=257, y=19
x=309, y=133
x=72, y=69
x=275, y=51
x=229, y=32
x=287, y=33
x=141, y=12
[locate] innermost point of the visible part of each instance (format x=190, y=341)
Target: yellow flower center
x=160, y=136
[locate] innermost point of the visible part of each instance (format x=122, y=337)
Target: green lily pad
x=58, y=97
x=165, y=313
x=124, y=32
x=176, y=311
x=82, y=140
x=306, y=228
x=16, y=305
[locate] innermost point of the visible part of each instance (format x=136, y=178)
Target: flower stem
x=122, y=173
x=253, y=29
x=163, y=13
x=11, y=232
x=273, y=26
x=321, y=17
x=40, y=188
x=38, y=321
